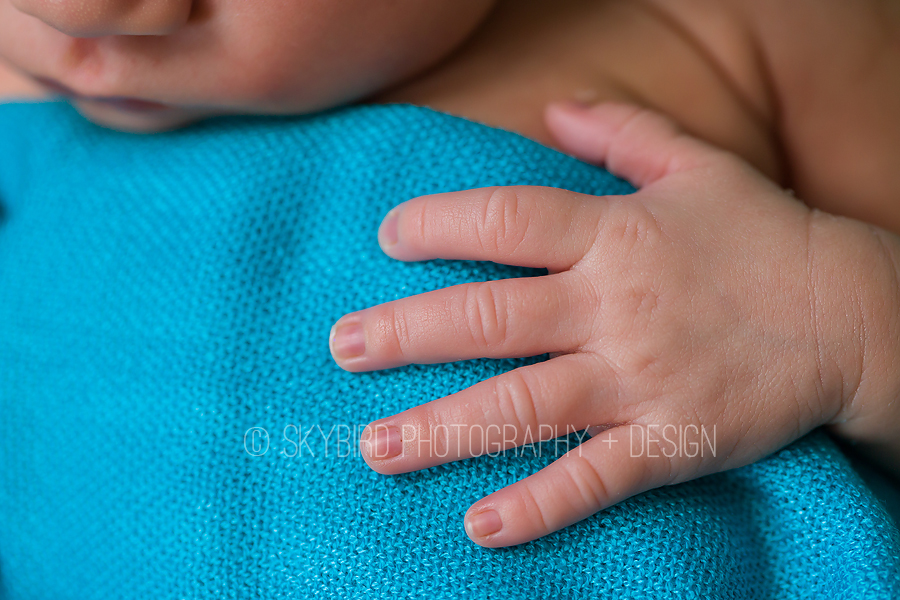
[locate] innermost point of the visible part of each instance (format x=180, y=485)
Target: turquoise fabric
x=162, y=295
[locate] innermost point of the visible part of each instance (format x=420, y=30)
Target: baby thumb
x=635, y=143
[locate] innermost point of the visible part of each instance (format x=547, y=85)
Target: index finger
x=525, y=226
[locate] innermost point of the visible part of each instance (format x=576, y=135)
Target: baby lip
x=130, y=104
x=121, y=102
x=55, y=87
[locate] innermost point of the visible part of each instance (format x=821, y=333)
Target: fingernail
x=347, y=340
x=484, y=523
x=387, y=234
x=383, y=443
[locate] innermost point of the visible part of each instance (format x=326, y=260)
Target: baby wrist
x=858, y=292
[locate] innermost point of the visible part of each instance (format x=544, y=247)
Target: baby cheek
x=95, y=18
x=272, y=84
x=264, y=89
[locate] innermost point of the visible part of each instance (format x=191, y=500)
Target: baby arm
x=709, y=298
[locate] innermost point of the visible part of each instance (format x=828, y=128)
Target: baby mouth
x=129, y=104
x=124, y=103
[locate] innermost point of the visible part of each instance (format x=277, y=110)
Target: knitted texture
x=162, y=295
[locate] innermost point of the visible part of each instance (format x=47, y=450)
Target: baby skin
x=710, y=298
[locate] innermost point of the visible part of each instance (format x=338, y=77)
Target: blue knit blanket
x=172, y=425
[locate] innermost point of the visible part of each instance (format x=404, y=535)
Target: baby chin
x=135, y=115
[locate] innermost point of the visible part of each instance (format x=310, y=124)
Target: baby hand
x=709, y=301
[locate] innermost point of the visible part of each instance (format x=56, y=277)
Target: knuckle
x=635, y=123
x=418, y=227
x=658, y=462
x=420, y=223
x=516, y=401
x=661, y=468
x=645, y=307
x=485, y=315
x=397, y=339
x=593, y=489
x=674, y=470
x=586, y=291
x=643, y=119
x=532, y=507
x=502, y=226
x=632, y=225
x=436, y=432
x=633, y=117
